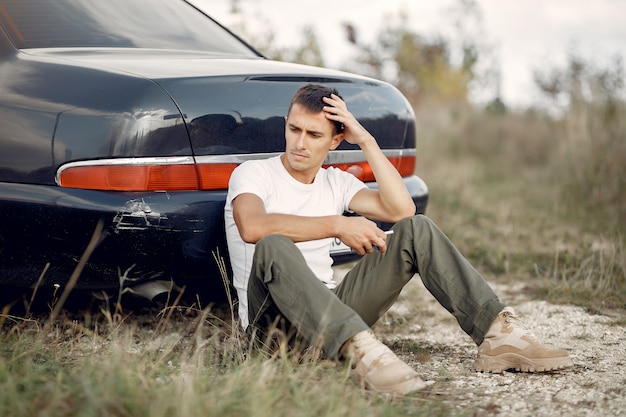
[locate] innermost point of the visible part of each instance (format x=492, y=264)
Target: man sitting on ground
x=281, y=215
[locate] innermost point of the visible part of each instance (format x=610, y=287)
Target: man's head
x=309, y=134
x=309, y=96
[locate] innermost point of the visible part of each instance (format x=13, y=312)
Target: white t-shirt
x=329, y=194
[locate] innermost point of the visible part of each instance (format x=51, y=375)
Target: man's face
x=309, y=136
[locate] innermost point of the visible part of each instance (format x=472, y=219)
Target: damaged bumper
x=155, y=235
x=166, y=236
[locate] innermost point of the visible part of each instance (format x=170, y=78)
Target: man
x=282, y=213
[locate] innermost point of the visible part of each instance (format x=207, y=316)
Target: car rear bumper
x=149, y=235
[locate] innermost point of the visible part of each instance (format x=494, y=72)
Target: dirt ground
x=429, y=338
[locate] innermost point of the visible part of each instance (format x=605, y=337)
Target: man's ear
x=336, y=140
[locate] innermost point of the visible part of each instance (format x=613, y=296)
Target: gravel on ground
x=595, y=386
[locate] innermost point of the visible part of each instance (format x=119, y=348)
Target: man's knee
x=271, y=244
x=272, y=241
x=417, y=222
x=273, y=250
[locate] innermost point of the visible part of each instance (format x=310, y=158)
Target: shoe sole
x=506, y=361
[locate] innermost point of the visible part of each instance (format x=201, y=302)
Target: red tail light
x=215, y=176
x=362, y=170
x=130, y=177
x=170, y=174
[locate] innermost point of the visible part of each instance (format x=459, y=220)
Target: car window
x=160, y=24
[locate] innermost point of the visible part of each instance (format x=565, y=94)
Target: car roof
x=153, y=24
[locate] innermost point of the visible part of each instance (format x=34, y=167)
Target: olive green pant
x=282, y=284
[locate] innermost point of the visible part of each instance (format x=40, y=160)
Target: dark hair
x=310, y=97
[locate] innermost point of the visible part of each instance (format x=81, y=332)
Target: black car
x=133, y=114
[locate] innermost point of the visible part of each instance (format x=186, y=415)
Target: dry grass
x=503, y=187
x=179, y=361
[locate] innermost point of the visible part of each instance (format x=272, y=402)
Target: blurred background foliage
x=542, y=188
x=576, y=131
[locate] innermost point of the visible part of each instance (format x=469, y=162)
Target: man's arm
x=392, y=201
x=254, y=223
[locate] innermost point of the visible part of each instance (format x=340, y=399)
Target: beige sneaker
x=509, y=345
x=379, y=369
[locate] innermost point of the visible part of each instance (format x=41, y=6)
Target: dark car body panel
x=63, y=105
x=162, y=235
x=55, y=112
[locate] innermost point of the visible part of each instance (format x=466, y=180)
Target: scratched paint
x=138, y=215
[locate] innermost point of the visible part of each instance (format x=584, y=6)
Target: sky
x=524, y=35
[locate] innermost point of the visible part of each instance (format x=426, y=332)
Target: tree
x=589, y=97
x=423, y=68
x=582, y=81
x=308, y=52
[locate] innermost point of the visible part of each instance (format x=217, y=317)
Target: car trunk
x=242, y=115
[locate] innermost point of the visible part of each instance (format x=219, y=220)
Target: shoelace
x=512, y=320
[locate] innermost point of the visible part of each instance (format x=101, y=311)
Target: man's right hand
x=362, y=235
